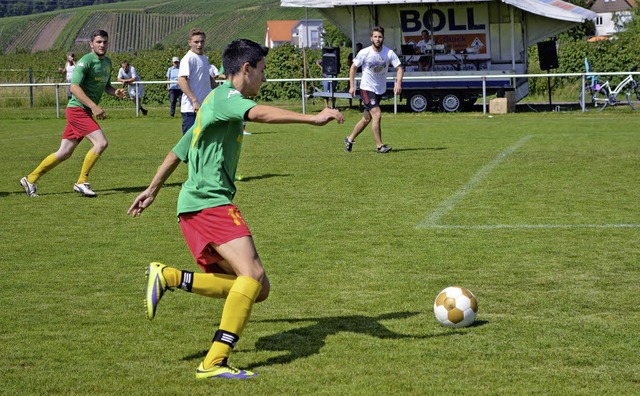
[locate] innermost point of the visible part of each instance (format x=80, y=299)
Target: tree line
x=10, y=8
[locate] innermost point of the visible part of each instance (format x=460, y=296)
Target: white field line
x=450, y=203
x=529, y=226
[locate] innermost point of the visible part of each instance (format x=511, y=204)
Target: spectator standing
x=194, y=78
x=127, y=75
x=175, y=93
x=327, y=86
x=67, y=70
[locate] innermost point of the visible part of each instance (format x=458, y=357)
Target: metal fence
x=304, y=82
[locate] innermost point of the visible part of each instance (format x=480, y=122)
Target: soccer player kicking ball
x=214, y=229
x=91, y=78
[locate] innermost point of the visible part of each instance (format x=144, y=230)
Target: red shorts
x=211, y=226
x=80, y=123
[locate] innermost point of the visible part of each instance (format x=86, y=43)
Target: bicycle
x=601, y=95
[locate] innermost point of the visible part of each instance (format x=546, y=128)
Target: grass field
x=536, y=213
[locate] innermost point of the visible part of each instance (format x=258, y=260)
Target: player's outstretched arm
x=146, y=198
x=275, y=115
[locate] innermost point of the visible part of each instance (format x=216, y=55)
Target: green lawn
x=536, y=213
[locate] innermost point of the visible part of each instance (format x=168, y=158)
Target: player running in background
x=375, y=62
x=91, y=78
x=214, y=229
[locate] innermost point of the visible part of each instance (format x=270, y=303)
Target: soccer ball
x=455, y=306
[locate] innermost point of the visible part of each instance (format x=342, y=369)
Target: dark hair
x=379, y=29
x=242, y=51
x=100, y=33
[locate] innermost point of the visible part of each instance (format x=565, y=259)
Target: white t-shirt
x=422, y=45
x=196, y=68
x=213, y=71
x=69, y=69
x=131, y=88
x=374, y=68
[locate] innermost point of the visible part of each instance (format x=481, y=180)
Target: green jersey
x=211, y=148
x=93, y=75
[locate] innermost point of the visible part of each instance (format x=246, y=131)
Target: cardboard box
x=502, y=106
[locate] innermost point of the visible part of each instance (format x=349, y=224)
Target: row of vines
x=137, y=31
x=29, y=34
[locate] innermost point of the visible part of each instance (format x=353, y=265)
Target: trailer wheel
x=418, y=102
x=450, y=103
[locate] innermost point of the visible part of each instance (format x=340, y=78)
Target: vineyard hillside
x=143, y=24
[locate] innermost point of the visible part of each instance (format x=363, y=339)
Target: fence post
x=31, y=87
x=304, y=103
x=137, y=100
x=57, y=100
x=583, y=92
x=395, y=103
x=484, y=95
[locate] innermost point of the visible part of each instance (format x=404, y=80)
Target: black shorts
x=370, y=99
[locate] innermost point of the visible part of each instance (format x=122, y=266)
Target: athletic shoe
x=156, y=286
x=84, y=189
x=29, y=188
x=144, y=111
x=383, y=149
x=245, y=132
x=348, y=144
x=222, y=370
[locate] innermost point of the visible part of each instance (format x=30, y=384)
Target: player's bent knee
x=101, y=146
x=63, y=155
x=266, y=288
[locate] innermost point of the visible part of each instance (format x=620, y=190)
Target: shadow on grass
x=306, y=341
x=139, y=189
x=419, y=149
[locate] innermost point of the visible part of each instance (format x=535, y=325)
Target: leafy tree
x=333, y=37
x=284, y=61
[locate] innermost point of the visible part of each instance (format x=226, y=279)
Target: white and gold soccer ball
x=455, y=306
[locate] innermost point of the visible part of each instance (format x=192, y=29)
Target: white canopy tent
x=499, y=31
x=545, y=18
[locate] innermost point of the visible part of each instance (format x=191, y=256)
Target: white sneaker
x=29, y=188
x=84, y=189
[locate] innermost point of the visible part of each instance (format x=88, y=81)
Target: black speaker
x=548, y=55
x=331, y=60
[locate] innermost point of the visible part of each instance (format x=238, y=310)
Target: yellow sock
x=213, y=285
x=208, y=285
x=89, y=161
x=45, y=166
x=235, y=315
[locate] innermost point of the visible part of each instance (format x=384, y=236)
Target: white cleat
x=84, y=189
x=29, y=188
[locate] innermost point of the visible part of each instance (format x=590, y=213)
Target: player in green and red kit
x=91, y=78
x=214, y=229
